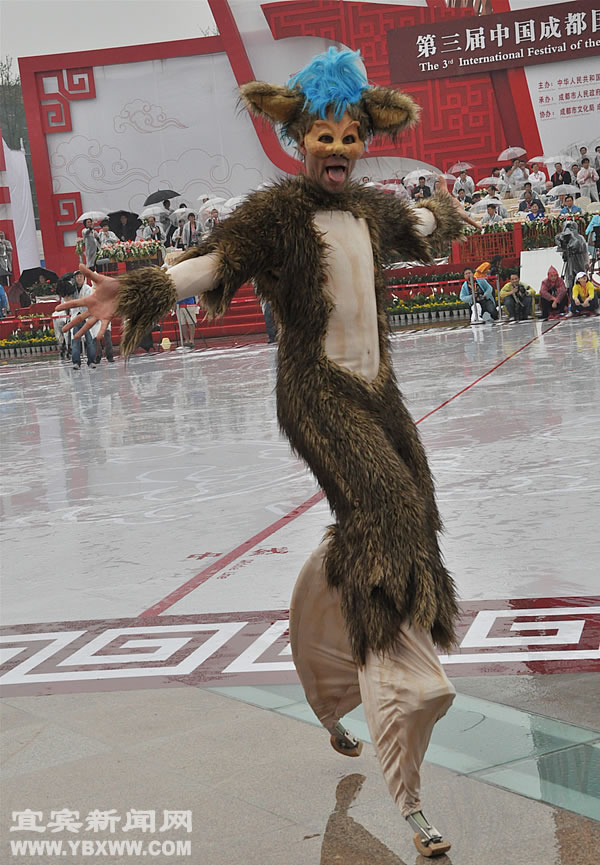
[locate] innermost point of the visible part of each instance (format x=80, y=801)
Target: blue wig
x=331, y=80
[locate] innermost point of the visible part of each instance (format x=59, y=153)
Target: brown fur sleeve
x=397, y=224
x=247, y=246
x=147, y=294
x=449, y=224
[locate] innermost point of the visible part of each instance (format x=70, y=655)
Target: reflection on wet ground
x=345, y=841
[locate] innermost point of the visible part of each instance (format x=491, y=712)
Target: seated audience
x=535, y=212
x=584, y=301
x=517, y=298
x=464, y=199
x=492, y=217
x=554, y=297
x=528, y=200
x=421, y=190
x=484, y=294
x=570, y=206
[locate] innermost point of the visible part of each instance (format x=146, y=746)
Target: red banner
x=526, y=37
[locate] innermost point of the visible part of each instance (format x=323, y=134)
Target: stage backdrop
x=108, y=127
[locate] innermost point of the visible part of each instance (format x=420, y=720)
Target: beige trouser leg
x=403, y=693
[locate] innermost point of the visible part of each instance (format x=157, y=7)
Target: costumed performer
x=374, y=598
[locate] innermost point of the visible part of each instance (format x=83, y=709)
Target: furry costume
x=357, y=437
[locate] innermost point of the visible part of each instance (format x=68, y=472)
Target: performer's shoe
x=427, y=839
x=344, y=742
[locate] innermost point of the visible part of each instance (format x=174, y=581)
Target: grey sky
x=30, y=27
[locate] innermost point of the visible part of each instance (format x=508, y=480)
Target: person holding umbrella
x=91, y=243
x=125, y=229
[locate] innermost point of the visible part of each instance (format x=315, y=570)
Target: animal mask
x=331, y=85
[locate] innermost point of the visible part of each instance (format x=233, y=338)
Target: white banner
x=20, y=209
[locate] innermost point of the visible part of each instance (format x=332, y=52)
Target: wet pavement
x=146, y=507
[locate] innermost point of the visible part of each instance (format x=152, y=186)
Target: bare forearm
x=195, y=276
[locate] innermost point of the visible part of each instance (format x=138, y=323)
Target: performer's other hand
x=443, y=190
x=101, y=305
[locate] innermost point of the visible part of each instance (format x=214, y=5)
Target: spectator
x=126, y=230
x=492, y=198
x=83, y=289
x=492, y=217
x=6, y=252
x=592, y=233
x=587, y=178
x=213, y=220
x=108, y=345
x=536, y=175
x=484, y=294
x=516, y=175
x=464, y=181
x=187, y=314
x=536, y=212
x=191, y=233
x=597, y=159
x=500, y=184
x=177, y=238
x=91, y=243
x=560, y=176
x=517, y=298
x=164, y=218
x=365, y=180
x=584, y=302
x=464, y=199
x=570, y=206
x=554, y=297
x=153, y=231
x=106, y=236
x=528, y=200
x=4, y=306
x=582, y=152
x=574, y=172
x=421, y=191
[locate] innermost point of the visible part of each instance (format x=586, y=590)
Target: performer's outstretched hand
x=443, y=190
x=101, y=305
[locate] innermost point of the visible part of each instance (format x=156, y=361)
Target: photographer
x=517, y=298
x=573, y=249
x=484, y=294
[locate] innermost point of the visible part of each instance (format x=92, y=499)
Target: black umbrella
x=35, y=274
x=128, y=230
x=161, y=195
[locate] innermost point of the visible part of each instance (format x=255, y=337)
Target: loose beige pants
x=403, y=693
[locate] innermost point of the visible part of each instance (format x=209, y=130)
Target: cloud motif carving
x=144, y=117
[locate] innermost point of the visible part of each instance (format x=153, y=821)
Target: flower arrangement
x=421, y=303
x=127, y=251
x=21, y=338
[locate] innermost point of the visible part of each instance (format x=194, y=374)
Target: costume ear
x=390, y=110
x=275, y=103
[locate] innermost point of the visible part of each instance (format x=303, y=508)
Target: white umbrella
x=511, y=153
x=459, y=166
x=181, y=213
x=211, y=204
x=94, y=215
x=230, y=205
x=565, y=189
x=204, y=196
x=413, y=176
x=489, y=181
x=152, y=210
